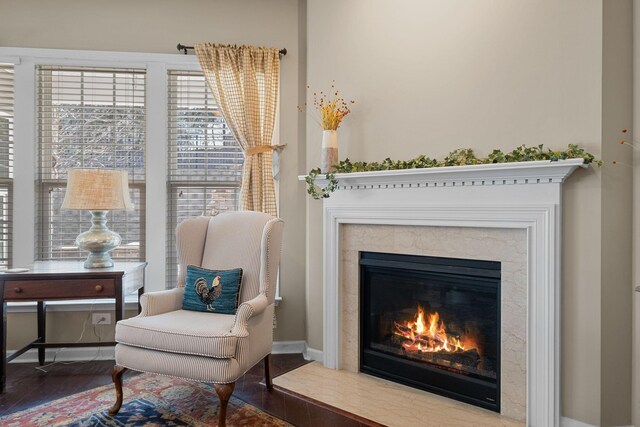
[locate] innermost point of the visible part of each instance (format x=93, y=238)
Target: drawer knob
x=17, y=290
x=99, y=288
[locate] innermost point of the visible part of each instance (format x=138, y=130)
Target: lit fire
x=430, y=336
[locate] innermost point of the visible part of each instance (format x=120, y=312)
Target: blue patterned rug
x=140, y=412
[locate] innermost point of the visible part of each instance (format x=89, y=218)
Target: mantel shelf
x=536, y=172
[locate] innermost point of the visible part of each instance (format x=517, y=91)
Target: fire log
x=404, y=330
x=465, y=358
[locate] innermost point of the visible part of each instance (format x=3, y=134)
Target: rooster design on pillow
x=208, y=294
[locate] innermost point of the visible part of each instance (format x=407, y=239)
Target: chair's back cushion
x=190, y=238
x=247, y=240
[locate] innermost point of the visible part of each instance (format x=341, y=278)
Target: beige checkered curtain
x=244, y=80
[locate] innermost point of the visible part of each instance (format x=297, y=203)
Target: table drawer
x=59, y=289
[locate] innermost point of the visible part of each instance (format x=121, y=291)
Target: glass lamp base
x=99, y=241
x=98, y=260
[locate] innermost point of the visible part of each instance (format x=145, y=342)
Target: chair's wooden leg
x=267, y=372
x=224, y=393
x=116, y=375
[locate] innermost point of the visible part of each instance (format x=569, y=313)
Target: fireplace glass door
x=432, y=323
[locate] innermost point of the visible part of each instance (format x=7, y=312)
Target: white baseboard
x=568, y=422
x=312, y=354
x=67, y=354
x=287, y=347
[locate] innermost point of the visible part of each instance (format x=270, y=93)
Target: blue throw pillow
x=212, y=291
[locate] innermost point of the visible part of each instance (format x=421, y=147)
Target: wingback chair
x=208, y=347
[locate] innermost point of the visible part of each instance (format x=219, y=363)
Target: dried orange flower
x=333, y=108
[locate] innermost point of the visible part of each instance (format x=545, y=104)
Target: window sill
x=130, y=303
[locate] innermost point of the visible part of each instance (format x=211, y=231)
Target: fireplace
x=432, y=323
x=507, y=212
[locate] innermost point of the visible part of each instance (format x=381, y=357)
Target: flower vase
x=329, y=156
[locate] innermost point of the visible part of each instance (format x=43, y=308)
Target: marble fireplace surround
x=525, y=196
x=506, y=245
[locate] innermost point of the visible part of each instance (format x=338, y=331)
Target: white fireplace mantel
x=525, y=195
x=538, y=172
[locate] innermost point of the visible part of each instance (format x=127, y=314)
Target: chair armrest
x=160, y=302
x=246, y=311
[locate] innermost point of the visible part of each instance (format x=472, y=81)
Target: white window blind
x=6, y=162
x=205, y=160
x=88, y=117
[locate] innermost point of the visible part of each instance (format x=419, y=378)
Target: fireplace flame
x=431, y=336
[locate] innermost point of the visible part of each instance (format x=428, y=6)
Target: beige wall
x=617, y=185
x=636, y=214
x=62, y=326
x=157, y=26
x=432, y=76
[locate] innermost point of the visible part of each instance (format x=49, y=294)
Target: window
x=88, y=117
x=205, y=160
x=6, y=162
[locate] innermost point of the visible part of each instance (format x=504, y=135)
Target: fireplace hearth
x=432, y=323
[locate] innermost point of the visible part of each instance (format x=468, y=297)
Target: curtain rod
x=180, y=46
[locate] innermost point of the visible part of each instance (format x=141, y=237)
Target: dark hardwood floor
x=27, y=387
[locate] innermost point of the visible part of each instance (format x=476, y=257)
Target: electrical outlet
x=101, y=318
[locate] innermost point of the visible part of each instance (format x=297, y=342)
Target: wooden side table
x=64, y=280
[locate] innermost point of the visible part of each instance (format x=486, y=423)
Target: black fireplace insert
x=432, y=323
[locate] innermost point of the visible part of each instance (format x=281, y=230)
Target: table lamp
x=98, y=191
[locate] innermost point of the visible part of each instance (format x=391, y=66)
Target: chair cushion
x=212, y=291
x=181, y=331
x=187, y=366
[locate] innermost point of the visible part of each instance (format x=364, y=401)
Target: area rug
x=149, y=400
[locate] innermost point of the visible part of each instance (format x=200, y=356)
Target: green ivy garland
x=320, y=192
x=458, y=157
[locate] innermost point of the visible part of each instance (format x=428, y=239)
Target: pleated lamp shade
x=97, y=190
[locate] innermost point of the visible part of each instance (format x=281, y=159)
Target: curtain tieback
x=252, y=151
